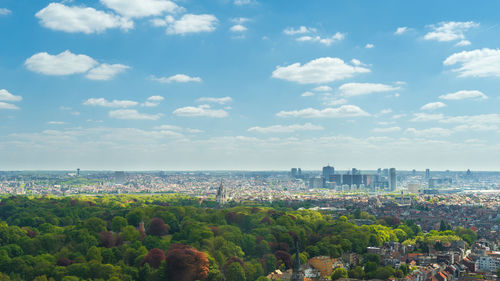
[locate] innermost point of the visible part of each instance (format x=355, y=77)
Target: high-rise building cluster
x=354, y=179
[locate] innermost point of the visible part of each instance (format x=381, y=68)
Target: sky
x=249, y=84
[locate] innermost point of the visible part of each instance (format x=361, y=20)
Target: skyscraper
x=427, y=173
x=293, y=172
x=392, y=179
x=328, y=174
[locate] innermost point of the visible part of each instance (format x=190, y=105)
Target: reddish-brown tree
x=285, y=257
x=185, y=263
x=157, y=227
x=154, y=257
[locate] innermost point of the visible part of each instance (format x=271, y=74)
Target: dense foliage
x=169, y=237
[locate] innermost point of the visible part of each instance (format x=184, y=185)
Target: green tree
x=357, y=272
x=117, y=223
x=235, y=272
x=339, y=273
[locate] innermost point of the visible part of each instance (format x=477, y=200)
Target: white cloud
x=401, y=30
x=178, y=129
x=180, y=78
x=203, y=110
x=464, y=94
x=106, y=71
x=56, y=123
x=5, y=12
x=339, y=112
x=323, y=40
x=449, y=31
x=57, y=16
x=482, y=119
x=357, y=89
x=369, y=46
x=132, y=114
x=286, y=128
x=65, y=63
x=476, y=63
x=475, y=127
x=156, y=98
x=307, y=94
x=463, y=43
x=244, y=2
x=238, y=28
x=6, y=96
x=142, y=8
x=190, y=23
x=323, y=89
x=334, y=101
x=386, y=111
x=433, y=106
x=321, y=70
x=429, y=133
x=386, y=130
x=105, y=103
x=300, y=30
x=4, y=105
x=425, y=117
x=222, y=100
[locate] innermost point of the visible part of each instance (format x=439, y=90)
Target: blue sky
x=245, y=84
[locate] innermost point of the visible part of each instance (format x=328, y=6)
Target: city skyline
x=249, y=85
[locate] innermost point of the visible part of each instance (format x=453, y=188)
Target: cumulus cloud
x=190, y=23
x=369, y=46
x=429, y=133
x=244, y=2
x=339, y=112
x=425, y=117
x=153, y=101
x=357, y=89
x=476, y=63
x=222, y=100
x=238, y=28
x=88, y=20
x=114, y=103
x=327, y=41
x=307, y=94
x=203, y=110
x=4, y=105
x=5, y=12
x=142, y=8
x=323, y=88
x=449, y=31
x=286, y=128
x=401, y=30
x=179, y=78
x=464, y=94
x=56, y=123
x=132, y=114
x=333, y=101
x=433, y=106
x=321, y=70
x=300, y=30
x=481, y=119
x=65, y=63
x=386, y=130
x=6, y=96
x=106, y=71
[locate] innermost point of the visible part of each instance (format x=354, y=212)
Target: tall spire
x=221, y=196
x=297, y=274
